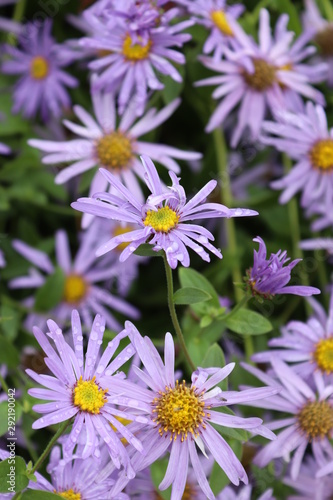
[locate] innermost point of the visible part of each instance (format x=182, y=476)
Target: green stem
x=4, y=384
x=19, y=10
x=238, y=306
x=226, y=198
x=173, y=314
x=52, y=441
x=328, y=9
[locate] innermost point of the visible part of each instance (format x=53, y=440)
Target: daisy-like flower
x=162, y=220
x=261, y=77
x=182, y=415
x=310, y=420
x=80, y=288
x=140, y=43
x=308, y=485
x=308, y=345
x=43, y=82
x=307, y=139
x=323, y=34
x=268, y=277
x=83, y=388
x=115, y=147
x=214, y=15
x=75, y=478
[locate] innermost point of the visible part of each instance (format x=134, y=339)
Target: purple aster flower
x=182, y=415
x=113, y=146
x=43, y=82
x=307, y=139
x=84, y=389
x=308, y=486
x=245, y=493
x=269, y=277
x=259, y=77
x=323, y=219
x=322, y=34
x=310, y=420
x=308, y=345
x=80, y=288
x=4, y=149
x=162, y=219
x=139, y=44
x=318, y=244
x=214, y=15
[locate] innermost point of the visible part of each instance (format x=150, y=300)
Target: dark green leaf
x=9, y=321
x=146, y=250
x=4, y=416
x=190, y=295
x=214, y=357
x=288, y=7
x=248, y=322
x=190, y=278
x=51, y=293
x=8, y=353
x=39, y=495
x=12, y=474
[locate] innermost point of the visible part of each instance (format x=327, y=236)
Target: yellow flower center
x=39, y=68
x=122, y=230
x=220, y=20
x=316, y=419
x=179, y=411
x=114, y=151
x=263, y=77
x=123, y=421
x=162, y=220
x=325, y=41
x=75, y=289
x=321, y=155
x=69, y=494
x=135, y=51
x=88, y=396
x=323, y=355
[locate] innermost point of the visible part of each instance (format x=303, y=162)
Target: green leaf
x=146, y=250
x=157, y=471
x=8, y=353
x=288, y=7
x=190, y=295
x=172, y=89
x=193, y=279
x=50, y=294
x=12, y=474
x=4, y=416
x=9, y=320
x=248, y=322
x=39, y=495
x=214, y=357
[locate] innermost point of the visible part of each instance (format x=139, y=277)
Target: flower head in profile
x=42, y=86
x=112, y=144
x=139, y=43
x=183, y=415
x=268, y=277
x=214, y=15
x=162, y=220
x=310, y=419
x=306, y=138
x=262, y=77
x=308, y=346
x=83, y=285
x=82, y=387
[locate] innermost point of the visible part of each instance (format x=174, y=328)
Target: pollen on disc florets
x=39, y=68
x=88, y=396
x=323, y=355
x=220, y=20
x=69, y=494
x=75, y=289
x=114, y=151
x=162, y=220
x=325, y=41
x=321, y=155
x=179, y=411
x=263, y=77
x=135, y=51
x=316, y=419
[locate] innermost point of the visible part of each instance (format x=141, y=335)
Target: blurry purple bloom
x=308, y=486
x=214, y=15
x=310, y=420
x=306, y=138
x=269, y=277
x=182, y=431
x=244, y=493
x=4, y=150
x=80, y=290
x=113, y=146
x=269, y=75
x=41, y=87
x=2, y=259
x=308, y=345
x=137, y=45
x=162, y=220
x=84, y=389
